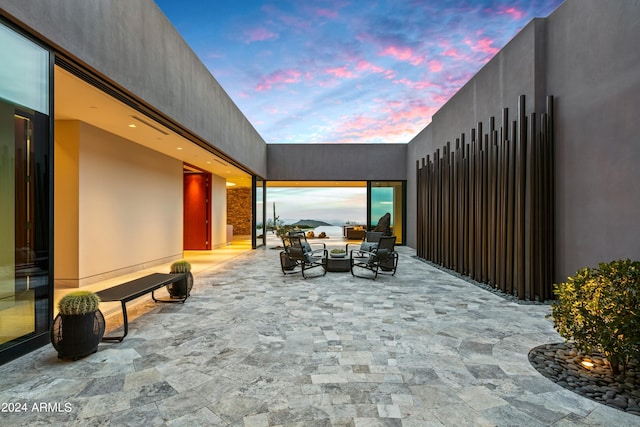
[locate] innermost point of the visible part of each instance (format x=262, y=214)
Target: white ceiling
x=77, y=100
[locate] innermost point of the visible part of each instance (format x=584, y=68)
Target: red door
x=197, y=214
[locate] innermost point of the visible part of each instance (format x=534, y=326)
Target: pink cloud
x=515, y=13
x=258, y=35
x=327, y=13
x=435, y=65
x=341, y=72
x=365, y=66
x=403, y=112
x=483, y=45
x=278, y=78
x=392, y=121
x=451, y=51
x=419, y=85
x=402, y=53
x=375, y=131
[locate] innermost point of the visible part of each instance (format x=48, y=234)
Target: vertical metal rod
x=520, y=194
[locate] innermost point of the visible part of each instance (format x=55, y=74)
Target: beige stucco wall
x=65, y=205
x=126, y=200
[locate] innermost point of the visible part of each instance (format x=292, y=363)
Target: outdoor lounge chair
x=370, y=241
x=297, y=254
x=381, y=259
x=308, y=247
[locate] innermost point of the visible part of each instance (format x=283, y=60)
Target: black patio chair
x=308, y=247
x=297, y=254
x=381, y=259
x=370, y=241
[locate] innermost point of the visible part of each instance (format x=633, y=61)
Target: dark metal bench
x=136, y=288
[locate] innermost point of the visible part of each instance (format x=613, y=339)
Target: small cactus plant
x=181, y=266
x=78, y=302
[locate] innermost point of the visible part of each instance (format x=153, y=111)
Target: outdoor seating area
x=376, y=253
x=258, y=348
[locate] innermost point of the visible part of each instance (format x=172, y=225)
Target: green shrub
x=78, y=302
x=599, y=309
x=181, y=266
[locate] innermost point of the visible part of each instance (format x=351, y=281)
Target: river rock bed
x=563, y=364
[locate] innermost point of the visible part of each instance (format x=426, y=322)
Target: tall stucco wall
x=133, y=45
x=343, y=162
x=593, y=69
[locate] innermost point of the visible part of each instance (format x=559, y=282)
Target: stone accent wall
x=239, y=210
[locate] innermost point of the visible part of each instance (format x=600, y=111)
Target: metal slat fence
x=486, y=207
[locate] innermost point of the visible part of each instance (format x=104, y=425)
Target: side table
x=338, y=264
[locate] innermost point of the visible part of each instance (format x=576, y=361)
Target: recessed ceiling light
x=208, y=163
x=230, y=184
x=132, y=125
x=179, y=148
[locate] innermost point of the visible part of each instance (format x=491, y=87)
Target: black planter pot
x=182, y=287
x=75, y=336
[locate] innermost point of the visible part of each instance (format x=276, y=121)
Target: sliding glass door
x=25, y=184
x=388, y=197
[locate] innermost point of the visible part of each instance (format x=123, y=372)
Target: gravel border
x=485, y=286
x=562, y=364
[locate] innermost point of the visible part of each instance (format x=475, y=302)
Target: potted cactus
x=181, y=288
x=79, y=326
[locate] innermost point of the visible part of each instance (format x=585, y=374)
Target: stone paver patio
x=253, y=347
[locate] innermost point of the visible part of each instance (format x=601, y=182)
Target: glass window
x=24, y=74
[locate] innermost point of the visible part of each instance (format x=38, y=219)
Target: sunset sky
x=344, y=71
x=332, y=71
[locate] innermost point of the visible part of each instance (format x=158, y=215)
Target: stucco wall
x=133, y=44
x=348, y=162
x=129, y=206
x=593, y=69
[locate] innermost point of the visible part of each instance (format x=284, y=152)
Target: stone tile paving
x=253, y=347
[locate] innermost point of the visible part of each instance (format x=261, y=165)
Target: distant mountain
x=310, y=223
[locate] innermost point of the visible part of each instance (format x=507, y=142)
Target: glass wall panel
x=259, y=236
x=388, y=197
x=25, y=292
